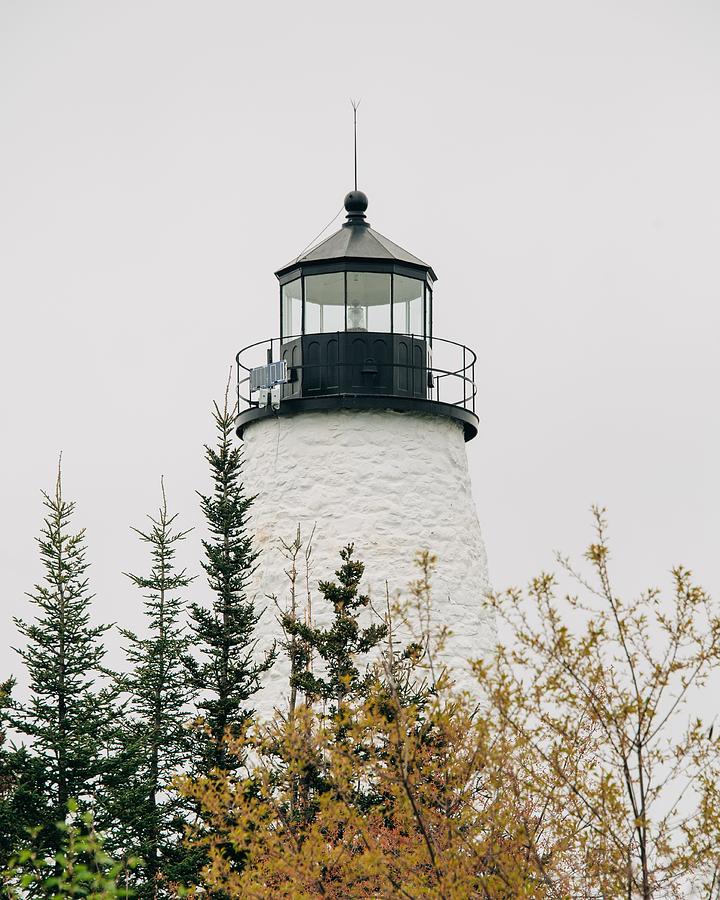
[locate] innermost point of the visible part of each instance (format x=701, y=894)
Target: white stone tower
x=355, y=422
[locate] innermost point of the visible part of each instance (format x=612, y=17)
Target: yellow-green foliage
x=576, y=771
x=81, y=868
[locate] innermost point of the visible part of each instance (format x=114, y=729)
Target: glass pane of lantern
x=416, y=316
x=408, y=305
x=325, y=303
x=291, y=308
x=428, y=313
x=368, y=301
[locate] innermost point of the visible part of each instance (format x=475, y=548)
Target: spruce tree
x=68, y=719
x=226, y=671
x=21, y=789
x=340, y=644
x=154, y=738
x=337, y=682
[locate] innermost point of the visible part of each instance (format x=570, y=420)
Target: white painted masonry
x=392, y=483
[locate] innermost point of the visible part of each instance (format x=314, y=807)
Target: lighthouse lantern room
x=356, y=331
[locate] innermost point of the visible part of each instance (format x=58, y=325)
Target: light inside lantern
x=356, y=318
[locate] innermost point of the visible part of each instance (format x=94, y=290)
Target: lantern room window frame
x=350, y=267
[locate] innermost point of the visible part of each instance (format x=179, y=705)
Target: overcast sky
x=557, y=163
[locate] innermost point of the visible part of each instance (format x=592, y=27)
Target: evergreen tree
x=338, y=682
x=340, y=644
x=154, y=738
x=227, y=672
x=21, y=789
x=69, y=717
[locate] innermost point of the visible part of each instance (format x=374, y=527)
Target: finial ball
x=356, y=202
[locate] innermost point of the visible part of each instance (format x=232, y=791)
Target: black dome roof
x=356, y=240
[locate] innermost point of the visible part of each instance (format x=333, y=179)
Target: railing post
x=473, y=387
x=464, y=389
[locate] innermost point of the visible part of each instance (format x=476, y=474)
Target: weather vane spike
x=355, y=104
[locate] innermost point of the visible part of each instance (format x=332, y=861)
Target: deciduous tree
x=579, y=768
x=623, y=678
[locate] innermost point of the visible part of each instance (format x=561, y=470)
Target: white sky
x=557, y=163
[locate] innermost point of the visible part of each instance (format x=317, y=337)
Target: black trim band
x=290, y=407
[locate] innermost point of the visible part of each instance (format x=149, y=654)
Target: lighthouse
x=355, y=420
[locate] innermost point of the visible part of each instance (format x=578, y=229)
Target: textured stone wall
x=393, y=483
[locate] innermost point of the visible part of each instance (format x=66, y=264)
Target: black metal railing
x=444, y=373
